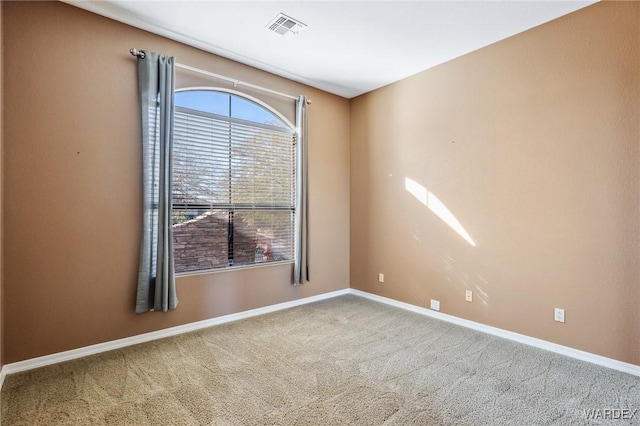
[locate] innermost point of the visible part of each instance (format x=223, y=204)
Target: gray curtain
x=301, y=265
x=156, y=281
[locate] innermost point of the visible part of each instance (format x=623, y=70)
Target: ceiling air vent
x=285, y=26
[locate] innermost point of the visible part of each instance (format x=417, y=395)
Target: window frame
x=289, y=129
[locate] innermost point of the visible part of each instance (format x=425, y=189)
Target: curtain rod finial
x=136, y=52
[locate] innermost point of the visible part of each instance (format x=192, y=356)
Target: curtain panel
x=156, y=278
x=301, y=262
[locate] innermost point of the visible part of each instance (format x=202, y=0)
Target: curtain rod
x=140, y=54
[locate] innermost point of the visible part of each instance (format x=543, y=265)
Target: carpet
x=342, y=361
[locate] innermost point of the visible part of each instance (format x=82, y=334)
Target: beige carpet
x=343, y=361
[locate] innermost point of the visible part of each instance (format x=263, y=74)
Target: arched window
x=233, y=181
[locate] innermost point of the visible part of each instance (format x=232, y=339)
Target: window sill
x=233, y=268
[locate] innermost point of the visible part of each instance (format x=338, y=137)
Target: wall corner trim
x=510, y=335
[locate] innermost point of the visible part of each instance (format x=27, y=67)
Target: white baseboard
x=3, y=374
x=42, y=361
x=147, y=337
x=521, y=338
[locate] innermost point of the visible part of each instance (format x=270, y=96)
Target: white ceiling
x=349, y=47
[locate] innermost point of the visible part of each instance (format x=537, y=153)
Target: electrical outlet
x=380, y=278
x=435, y=305
x=468, y=296
x=558, y=315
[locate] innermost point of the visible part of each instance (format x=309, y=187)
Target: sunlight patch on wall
x=434, y=204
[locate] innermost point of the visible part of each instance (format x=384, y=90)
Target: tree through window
x=233, y=182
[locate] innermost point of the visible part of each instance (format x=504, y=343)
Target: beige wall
x=72, y=186
x=533, y=145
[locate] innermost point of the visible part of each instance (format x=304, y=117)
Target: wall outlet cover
x=558, y=315
x=468, y=296
x=435, y=305
x=380, y=278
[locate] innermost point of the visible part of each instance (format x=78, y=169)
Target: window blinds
x=233, y=191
